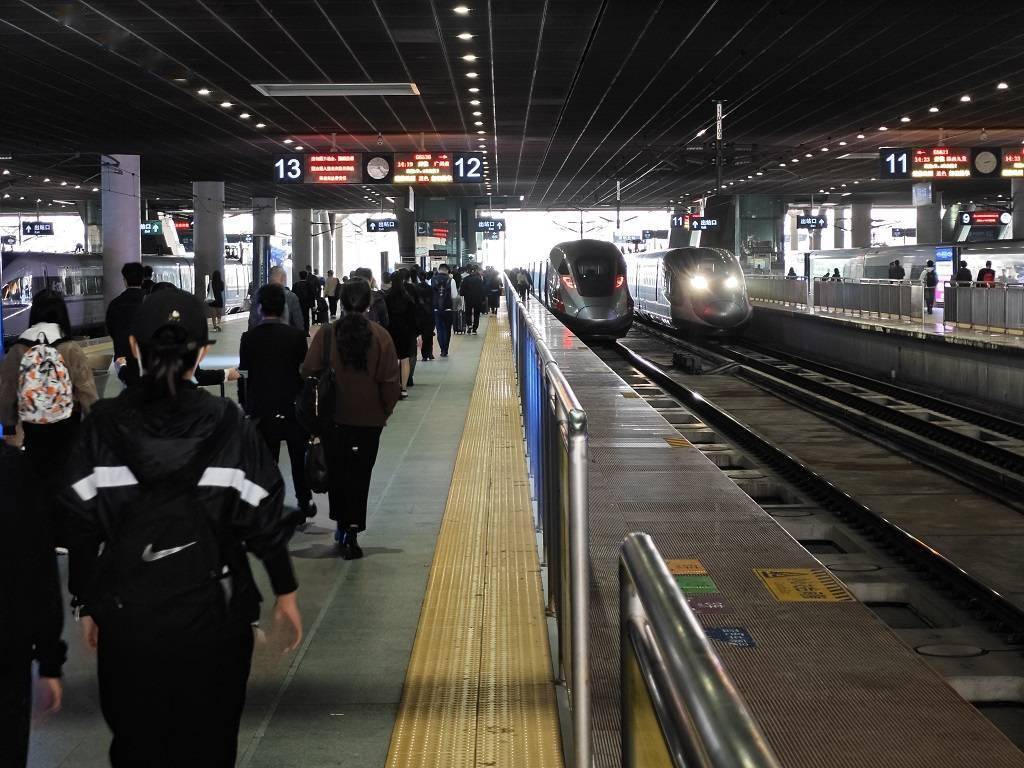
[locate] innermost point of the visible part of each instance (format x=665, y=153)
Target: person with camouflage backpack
x=46, y=386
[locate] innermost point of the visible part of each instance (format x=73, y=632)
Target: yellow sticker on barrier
x=803, y=585
x=677, y=442
x=685, y=568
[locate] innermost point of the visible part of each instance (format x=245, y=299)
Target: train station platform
x=450, y=569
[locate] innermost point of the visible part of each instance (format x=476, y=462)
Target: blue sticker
x=736, y=636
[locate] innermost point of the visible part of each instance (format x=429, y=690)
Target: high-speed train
x=583, y=283
x=1007, y=257
x=699, y=290
x=80, y=278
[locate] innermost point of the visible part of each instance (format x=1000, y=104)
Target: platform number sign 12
x=289, y=169
x=895, y=163
x=468, y=168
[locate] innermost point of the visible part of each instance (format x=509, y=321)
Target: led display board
x=944, y=162
x=945, y=253
x=423, y=168
x=700, y=223
x=334, y=168
x=35, y=228
x=380, y=168
x=985, y=218
x=1013, y=163
x=381, y=225
x=438, y=229
x=941, y=163
x=490, y=225
x=811, y=222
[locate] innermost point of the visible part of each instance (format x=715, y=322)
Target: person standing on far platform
x=929, y=279
x=898, y=272
x=472, y=290
x=444, y=290
x=963, y=274
x=366, y=374
x=331, y=287
x=216, y=294
x=986, y=275
x=172, y=490
x=119, y=320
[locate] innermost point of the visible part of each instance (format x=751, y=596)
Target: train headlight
x=567, y=282
x=699, y=283
x=732, y=282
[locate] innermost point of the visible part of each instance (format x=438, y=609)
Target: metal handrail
x=984, y=306
x=555, y=430
x=703, y=719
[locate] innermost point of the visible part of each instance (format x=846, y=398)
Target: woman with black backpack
x=365, y=365
x=171, y=489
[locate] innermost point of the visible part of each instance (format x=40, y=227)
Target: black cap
x=172, y=307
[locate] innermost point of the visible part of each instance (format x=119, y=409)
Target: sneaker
x=443, y=354
x=404, y=394
x=349, y=546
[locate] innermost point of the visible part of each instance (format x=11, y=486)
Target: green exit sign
x=151, y=228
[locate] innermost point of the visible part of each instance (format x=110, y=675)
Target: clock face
x=985, y=162
x=378, y=167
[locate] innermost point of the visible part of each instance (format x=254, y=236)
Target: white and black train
x=79, y=277
x=583, y=283
x=698, y=290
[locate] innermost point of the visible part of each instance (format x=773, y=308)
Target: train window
x=563, y=267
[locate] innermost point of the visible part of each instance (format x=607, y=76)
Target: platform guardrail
x=555, y=428
x=882, y=298
x=679, y=707
x=985, y=306
x=777, y=289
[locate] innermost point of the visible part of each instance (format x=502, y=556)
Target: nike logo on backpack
x=149, y=556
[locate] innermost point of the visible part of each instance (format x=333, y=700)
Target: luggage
x=321, y=312
x=458, y=314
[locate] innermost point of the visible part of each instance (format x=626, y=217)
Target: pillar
x=339, y=245
x=302, y=240
x=815, y=233
x=326, y=242
x=1017, y=198
x=860, y=225
x=838, y=232
x=264, y=210
x=92, y=220
x=121, y=222
x=794, y=231
x=207, y=232
x=406, y=217
x=929, y=224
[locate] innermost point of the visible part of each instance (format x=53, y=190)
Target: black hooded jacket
x=240, y=490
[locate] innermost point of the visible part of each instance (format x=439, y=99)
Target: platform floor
x=928, y=326
x=334, y=701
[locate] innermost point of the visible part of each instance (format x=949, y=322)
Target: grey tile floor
x=332, y=702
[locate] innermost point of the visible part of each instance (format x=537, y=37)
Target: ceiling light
x=226, y=104
x=475, y=102
x=965, y=98
x=46, y=179
x=298, y=148
x=749, y=176
x=933, y=109
x=882, y=128
x=782, y=165
x=856, y=182
x=821, y=190
x=287, y=141
x=904, y=119
x=860, y=135
x=337, y=89
x=474, y=90
x=873, y=178
x=245, y=115
x=95, y=189
x=464, y=36
x=1002, y=86
x=63, y=183
x=472, y=75
x=469, y=57
x=702, y=131
x=461, y=10
x=6, y=196
x=824, y=149
x=481, y=132
x=477, y=122
x=760, y=173
x=808, y=154
x=261, y=125
x=78, y=186
x=477, y=114
x=842, y=143
x=203, y=91
x=6, y=172
x=794, y=160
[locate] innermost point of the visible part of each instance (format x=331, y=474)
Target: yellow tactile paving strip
x=478, y=691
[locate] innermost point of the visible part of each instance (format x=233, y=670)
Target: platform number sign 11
x=468, y=167
x=289, y=169
x=895, y=163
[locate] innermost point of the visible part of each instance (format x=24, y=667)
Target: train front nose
x=722, y=312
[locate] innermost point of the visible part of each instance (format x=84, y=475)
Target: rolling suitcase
x=458, y=315
x=321, y=314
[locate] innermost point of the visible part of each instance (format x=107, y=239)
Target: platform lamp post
x=264, y=210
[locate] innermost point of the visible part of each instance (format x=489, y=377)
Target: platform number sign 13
x=289, y=169
x=468, y=167
x=895, y=163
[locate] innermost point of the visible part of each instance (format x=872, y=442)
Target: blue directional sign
x=381, y=225
x=35, y=228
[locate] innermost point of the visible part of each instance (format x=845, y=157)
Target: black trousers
x=413, y=354
x=427, y=345
x=177, y=704
x=48, y=448
x=473, y=316
x=929, y=298
x=333, y=301
x=276, y=429
x=306, y=311
x=351, y=454
x=15, y=710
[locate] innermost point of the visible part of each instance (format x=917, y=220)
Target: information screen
x=423, y=168
x=1013, y=162
x=337, y=168
x=941, y=163
x=381, y=225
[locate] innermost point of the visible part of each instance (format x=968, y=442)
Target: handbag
x=314, y=407
x=315, y=466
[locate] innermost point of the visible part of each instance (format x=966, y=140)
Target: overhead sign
x=654, y=234
x=381, y=225
x=1013, y=163
x=803, y=585
x=36, y=228
x=423, y=168
x=490, y=225
x=679, y=221
x=904, y=231
x=984, y=218
x=811, y=222
x=943, y=162
x=8, y=239
x=437, y=229
x=492, y=235
x=701, y=223
x=151, y=228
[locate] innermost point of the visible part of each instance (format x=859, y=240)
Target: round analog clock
x=378, y=168
x=985, y=162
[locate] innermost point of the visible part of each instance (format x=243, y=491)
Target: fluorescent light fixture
x=261, y=125
x=78, y=186
x=278, y=90
x=477, y=122
x=46, y=179
x=472, y=75
x=287, y=141
x=842, y=143
x=860, y=135
x=794, y=160
x=965, y=98
x=759, y=173
x=782, y=165
x=469, y=57
x=475, y=103
x=464, y=36
x=63, y=183
x=1002, y=86
x=481, y=132
x=933, y=109
x=904, y=119
x=298, y=149
x=477, y=114
x=461, y=10
x=245, y=115
x=824, y=149
x=203, y=91
x=882, y=128
x=94, y=189
x=226, y=104
x=474, y=90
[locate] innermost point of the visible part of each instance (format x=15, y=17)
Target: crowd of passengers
x=157, y=496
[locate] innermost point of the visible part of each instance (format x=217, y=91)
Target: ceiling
x=574, y=94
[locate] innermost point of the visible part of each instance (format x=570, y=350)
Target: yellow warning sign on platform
x=685, y=568
x=677, y=442
x=803, y=585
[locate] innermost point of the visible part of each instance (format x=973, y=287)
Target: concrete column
x=838, y=232
x=815, y=233
x=302, y=240
x=1017, y=198
x=121, y=222
x=207, y=232
x=89, y=210
x=860, y=225
x=794, y=232
x=326, y=242
x=263, y=226
x=929, y=224
x=339, y=245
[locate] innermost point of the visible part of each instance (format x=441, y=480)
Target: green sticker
x=695, y=584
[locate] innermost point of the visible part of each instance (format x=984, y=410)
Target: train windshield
x=595, y=273
x=714, y=262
